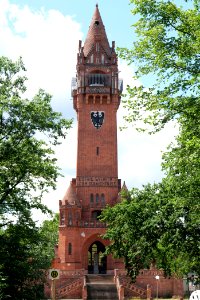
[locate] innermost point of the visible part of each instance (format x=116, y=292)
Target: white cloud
x=47, y=42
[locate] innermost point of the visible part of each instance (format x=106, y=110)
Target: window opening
x=97, y=47
x=97, y=198
x=69, y=249
x=97, y=150
x=62, y=218
x=102, y=198
x=91, y=198
x=69, y=218
x=92, y=59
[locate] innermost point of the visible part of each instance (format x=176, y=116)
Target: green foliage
x=153, y=225
x=28, y=131
x=167, y=49
x=49, y=230
x=26, y=252
x=27, y=165
x=161, y=222
x=22, y=267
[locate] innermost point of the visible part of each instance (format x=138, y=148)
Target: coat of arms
x=97, y=118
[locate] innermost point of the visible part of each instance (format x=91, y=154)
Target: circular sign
x=54, y=274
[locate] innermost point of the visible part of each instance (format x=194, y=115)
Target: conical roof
x=124, y=187
x=70, y=196
x=96, y=33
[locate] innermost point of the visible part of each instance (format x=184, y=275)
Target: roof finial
x=97, y=5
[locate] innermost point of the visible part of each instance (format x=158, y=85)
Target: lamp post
x=157, y=278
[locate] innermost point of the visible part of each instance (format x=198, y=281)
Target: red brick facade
x=96, y=98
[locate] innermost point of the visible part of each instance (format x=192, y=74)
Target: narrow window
x=62, y=218
x=97, y=150
x=92, y=59
x=102, y=58
x=69, y=249
x=102, y=198
x=97, y=198
x=97, y=47
x=70, y=218
x=91, y=198
x=77, y=216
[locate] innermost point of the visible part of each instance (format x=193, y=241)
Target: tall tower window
x=97, y=47
x=77, y=216
x=97, y=198
x=69, y=218
x=91, y=198
x=92, y=59
x=102, y=198
x=69, y=249
x=102, y=58
x=97, y=150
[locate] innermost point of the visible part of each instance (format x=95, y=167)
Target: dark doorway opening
x=97, y=261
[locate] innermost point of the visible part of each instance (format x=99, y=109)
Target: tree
x=154, y=226
x=49, y=230
x=161, y=222
x=167, y=49
x=28, y=128
x=26, y=254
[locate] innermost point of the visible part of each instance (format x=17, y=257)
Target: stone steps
x=101, y=287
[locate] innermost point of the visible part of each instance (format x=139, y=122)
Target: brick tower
x=96, y=98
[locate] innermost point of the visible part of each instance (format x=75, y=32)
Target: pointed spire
x=70, y=196
x=96, y=33
x=124, y=187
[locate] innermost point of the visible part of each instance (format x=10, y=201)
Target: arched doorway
x=97, y=261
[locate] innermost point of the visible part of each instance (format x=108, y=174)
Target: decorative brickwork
x=96, y=96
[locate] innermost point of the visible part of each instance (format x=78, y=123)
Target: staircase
x=101, y=287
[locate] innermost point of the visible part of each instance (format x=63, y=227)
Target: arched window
x=69, y=249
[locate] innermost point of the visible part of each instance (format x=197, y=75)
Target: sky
x=46, y=35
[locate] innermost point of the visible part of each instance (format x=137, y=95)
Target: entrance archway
x=97, y=261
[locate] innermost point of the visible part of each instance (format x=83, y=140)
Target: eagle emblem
x=97, y=118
